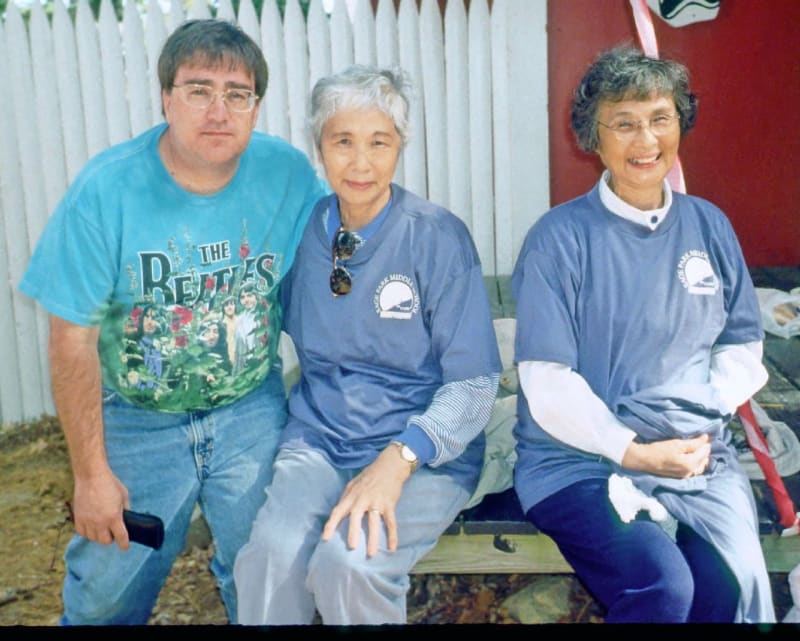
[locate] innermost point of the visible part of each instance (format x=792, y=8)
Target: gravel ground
x=36, y=482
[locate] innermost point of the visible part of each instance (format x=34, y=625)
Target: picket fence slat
x=414, y=164
x=108, y=31
x=386, y=34
x=319, y=55
x=12, y=219
x=433, y=86
x=276, y=106
x=137, y=74
x=319, y=43
x=479, y=57
x=68, y=85
x=225, y=10
x=341, y=40
x=27, y=317
x=387, y=55
x=198, y=9
x=47, y=117
x=155, y=33
x=457, y=111
x=52, y=171
x=364, y=34
x=478, y=118
x=294, y=34
x=91, y=74
x=530, y=173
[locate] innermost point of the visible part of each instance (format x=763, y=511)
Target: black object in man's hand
x=143, y=528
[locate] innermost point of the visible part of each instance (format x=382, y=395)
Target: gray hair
x=213, y=42
x=361, y=87
x=625, y=73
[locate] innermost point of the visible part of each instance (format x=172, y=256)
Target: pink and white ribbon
x=789, y=517
x=647, y=38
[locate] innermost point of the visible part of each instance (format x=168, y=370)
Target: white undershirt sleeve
x=562, y=403
x=737, y=372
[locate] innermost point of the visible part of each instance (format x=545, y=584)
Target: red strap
x=758, y=443
x=755, y=437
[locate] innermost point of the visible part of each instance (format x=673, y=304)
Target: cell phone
x=143, y=528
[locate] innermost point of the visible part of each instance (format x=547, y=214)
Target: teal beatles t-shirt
x=183, y=286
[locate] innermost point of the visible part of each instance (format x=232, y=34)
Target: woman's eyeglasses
x=343, y=247
x=659, y=125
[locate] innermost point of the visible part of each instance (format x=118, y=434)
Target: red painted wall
x=744, y=151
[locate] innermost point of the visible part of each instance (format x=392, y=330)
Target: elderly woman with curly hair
x=638, y=336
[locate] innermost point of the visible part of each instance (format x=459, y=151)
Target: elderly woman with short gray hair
x=399, y=364
x=638, y=336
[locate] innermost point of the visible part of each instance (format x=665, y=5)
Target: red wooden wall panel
x=743, y=152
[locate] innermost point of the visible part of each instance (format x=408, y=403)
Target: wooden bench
x=491, y=542
x=494, y=537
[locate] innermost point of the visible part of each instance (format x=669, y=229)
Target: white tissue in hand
x=629, y=500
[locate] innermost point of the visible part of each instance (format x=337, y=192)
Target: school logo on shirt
x=396, y=297
x=696, y=273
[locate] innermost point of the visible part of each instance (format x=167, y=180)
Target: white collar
x=651, y=218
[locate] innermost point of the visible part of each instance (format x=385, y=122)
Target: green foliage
x=118, y=7
x=258, y=4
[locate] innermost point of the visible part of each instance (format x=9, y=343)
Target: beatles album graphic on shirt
x=198, y=333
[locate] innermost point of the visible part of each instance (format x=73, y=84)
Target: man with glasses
x=179, y=219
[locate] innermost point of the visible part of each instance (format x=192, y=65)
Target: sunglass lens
x=344, y=244
x=340, y=281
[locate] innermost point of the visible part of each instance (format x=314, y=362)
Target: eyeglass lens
x=344, y=245
x=202, y=97
x=659, y=125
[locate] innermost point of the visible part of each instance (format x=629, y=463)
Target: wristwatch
x=408, y=455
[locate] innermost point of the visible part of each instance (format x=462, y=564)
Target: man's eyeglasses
x=659, y=125
x=343, y=247
x=202, y=97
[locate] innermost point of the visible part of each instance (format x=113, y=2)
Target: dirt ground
x=34, y=528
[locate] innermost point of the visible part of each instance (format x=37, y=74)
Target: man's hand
x=76, y=381
x=674, y=458
x=97, y=509
x=374, y=493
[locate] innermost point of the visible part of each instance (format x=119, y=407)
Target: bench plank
x=538, y=554
x=493, y=554
x=782, y=553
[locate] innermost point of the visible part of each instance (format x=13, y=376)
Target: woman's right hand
x=674, y=458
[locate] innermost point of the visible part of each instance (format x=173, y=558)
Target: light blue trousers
x=221, y=459
x=285, y=572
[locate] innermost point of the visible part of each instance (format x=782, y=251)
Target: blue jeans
x=285, y=571
x=635, y=569
x=221, y=459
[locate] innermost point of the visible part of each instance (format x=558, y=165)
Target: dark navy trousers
x=635, y=570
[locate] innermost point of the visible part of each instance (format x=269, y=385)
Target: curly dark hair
x=625, y=73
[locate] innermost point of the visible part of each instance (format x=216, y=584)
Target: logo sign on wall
x=679, y=13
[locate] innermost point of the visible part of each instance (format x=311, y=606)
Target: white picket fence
x=70, y=88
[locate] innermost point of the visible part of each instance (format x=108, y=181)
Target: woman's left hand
x=374, y=493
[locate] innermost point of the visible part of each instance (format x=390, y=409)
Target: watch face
x=407, y=453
